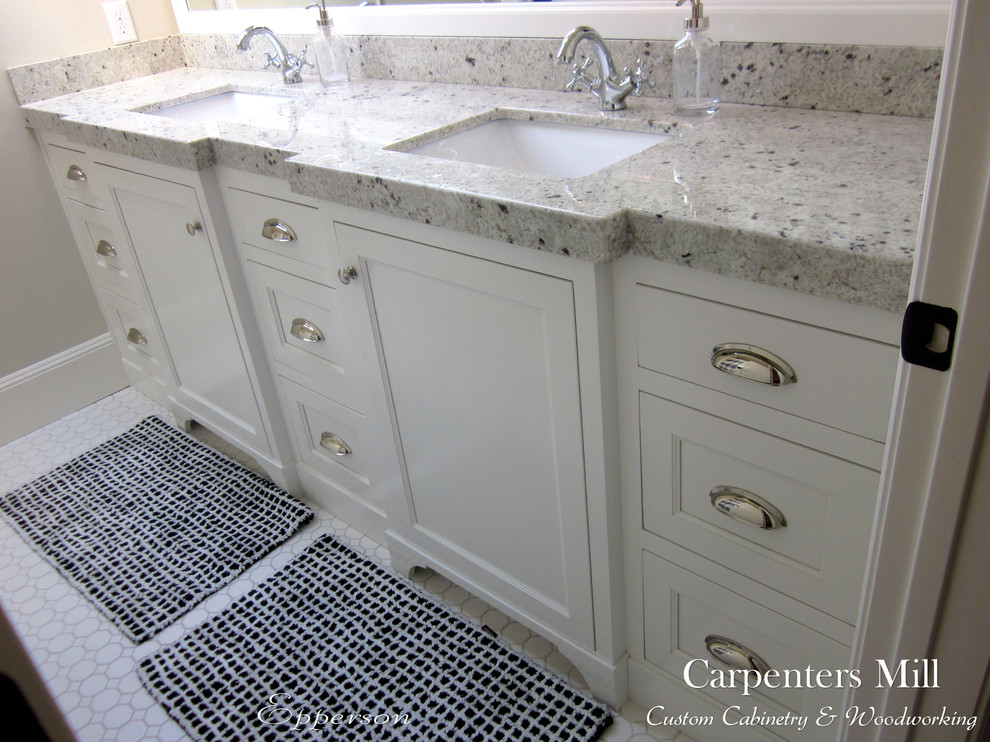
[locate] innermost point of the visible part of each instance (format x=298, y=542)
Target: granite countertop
x=819, y=202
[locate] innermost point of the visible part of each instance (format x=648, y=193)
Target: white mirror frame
x=883, y=22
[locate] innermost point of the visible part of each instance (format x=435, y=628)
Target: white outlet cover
x=119, y=19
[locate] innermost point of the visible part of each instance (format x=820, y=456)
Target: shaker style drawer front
x=75, y=176
x=284, y=227
x=783, y=515
x=331, y=438
x=689, y=618
x=136, y=335
x=303, y=327
x=105, y=249
x=839, y=380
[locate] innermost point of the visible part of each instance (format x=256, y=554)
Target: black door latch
x=928, y=334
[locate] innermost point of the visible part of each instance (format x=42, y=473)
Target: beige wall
x=46, y=303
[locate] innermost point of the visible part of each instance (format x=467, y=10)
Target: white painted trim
x=884, y=22
x=937, y=416
x=50, y=389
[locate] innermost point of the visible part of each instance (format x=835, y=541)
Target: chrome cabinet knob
x=334, y=444
x=735, y=655
x=745, y=507
x=105, y=249
x=305, y=330
x=752, y=363
x=193, y=227
x=277, y=231
x=346, y=273
x=134, y=335
x=76, y=173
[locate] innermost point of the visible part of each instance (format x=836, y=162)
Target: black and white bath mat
x=333, y=647
x=151, y=522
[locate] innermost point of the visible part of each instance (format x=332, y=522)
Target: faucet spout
x=251, y=31
x=568, y=48
x=245, y=38
x=610, y=90
x=283, y=60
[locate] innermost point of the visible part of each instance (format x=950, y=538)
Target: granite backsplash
x=893, y=80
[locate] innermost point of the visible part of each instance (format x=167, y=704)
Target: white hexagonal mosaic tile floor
x=89, y=665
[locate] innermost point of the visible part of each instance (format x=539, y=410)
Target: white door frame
x=936, y=427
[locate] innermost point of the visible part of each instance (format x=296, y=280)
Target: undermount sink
x=230, y=105
x=549, y=148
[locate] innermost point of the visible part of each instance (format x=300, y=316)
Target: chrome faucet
x=607, y=87
x=283, y=60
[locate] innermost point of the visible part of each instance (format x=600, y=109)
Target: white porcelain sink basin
x=564, y=150
x=230, y=105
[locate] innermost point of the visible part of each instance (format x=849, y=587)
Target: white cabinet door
x=480, y=367
x=174, y=249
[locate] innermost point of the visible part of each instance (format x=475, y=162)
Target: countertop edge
x=601, y=236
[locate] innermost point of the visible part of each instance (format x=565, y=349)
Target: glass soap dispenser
x=328, y=46
x=697, y=62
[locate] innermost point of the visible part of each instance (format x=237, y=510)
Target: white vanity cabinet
x=445, y=396
x=154, y=254
x=480, y=366
x=491, y=370
x=111, y=265
x=288, y=254
x=748, y=506
x=168, y=230
x=551, y=434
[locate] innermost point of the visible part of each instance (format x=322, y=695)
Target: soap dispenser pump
x=328, y=46
x=697, y=61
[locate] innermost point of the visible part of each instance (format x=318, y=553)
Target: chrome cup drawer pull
x=134, y=335
x=305, y=330
x=745, y=507
x=76, y=173
x=334, y=444
x=105, y=249
x=735, y=655
x=752, y=363
x=277, y=231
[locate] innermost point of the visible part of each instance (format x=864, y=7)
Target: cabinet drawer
x=331, y=438
x=136, y=335
x=303, y=327
x=284, y=227
x=105, y=250
x=813, y=513
x=685, y=614
x=76, y=177
x=842, y=381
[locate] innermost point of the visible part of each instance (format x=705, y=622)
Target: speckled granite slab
x=902, y=81
x=869, y=79
x=819, y=202
x=44, y=80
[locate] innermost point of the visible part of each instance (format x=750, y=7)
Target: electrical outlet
x=119, y=18
x=226, y=4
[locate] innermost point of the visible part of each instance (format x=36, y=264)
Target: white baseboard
x=51, y=389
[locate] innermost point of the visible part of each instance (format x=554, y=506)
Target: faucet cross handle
x=579, y=76
x=635, y=78
x=272, y=60
x=290, y=66
x=610, y=90
x=302, y=61
x=281, y=59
